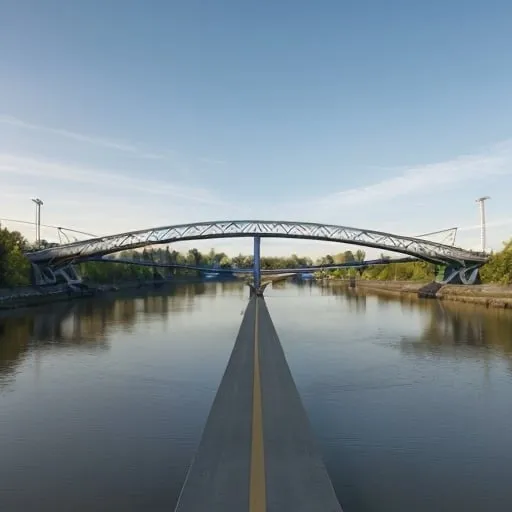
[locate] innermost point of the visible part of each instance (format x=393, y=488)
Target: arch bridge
x=463, y=264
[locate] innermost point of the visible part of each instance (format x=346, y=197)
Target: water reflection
x=394, y=388
x=87, y=323
x=448, y=328
x=353, y=298
x=453, y=329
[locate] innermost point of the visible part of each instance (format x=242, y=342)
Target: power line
x=50, y=226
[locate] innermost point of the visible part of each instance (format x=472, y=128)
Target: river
x=102, y=401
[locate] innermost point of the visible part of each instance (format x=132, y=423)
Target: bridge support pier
x=258, y=292
x=44, y=275
x=257, y=266
x=461, y=275
x=70, y=274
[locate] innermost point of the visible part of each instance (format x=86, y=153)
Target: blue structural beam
x=233, y=270
x=257, y=263
x=149, y=263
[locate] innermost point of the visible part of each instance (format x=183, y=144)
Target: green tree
x=195, y=257
x=499, y=267
x=348, y=257
x=14, y=266
x=360, y=255
x=225, y=262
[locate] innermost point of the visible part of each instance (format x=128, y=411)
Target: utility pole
x=481, y=201
x=38, y=204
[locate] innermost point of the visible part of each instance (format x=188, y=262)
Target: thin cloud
x=496, y=160
x=96, y=141
x=61, y=172
x=493, y=224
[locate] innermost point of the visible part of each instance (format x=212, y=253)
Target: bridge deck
x=257, y=451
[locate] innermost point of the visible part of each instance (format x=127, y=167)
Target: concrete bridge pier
x=70, y=274
x=461, y=275
x=44, y=275
x=258, y=292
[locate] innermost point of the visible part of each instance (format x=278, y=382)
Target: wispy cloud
x=125, y=147
x=145, y=198
x=65, y=173
x=495, y=160
x=507, y=221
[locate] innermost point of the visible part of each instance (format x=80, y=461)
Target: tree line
x=15, y=268
x=499, y=267
x=112, y=272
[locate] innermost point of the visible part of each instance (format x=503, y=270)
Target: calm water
x=102, y=402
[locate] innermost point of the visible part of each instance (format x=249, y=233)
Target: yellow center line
x=257, y=491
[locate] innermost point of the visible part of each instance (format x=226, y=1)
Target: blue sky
x=389, y=115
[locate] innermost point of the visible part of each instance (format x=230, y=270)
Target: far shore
x=28, y=296
x=487, y=295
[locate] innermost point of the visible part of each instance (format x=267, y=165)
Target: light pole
x=482, y=200
x=38, y=204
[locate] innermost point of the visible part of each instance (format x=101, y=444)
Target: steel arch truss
x=420, y=248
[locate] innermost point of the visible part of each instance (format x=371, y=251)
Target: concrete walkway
x=257, y=452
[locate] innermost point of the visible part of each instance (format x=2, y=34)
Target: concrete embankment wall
x=392, y=287
x=488, y=295
x=20, y=297
x=27, y=296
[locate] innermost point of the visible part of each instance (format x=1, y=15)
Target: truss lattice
x=421, y=248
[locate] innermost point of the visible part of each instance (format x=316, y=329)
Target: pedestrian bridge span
x=426, y=250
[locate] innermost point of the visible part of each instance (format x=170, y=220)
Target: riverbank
x=29, y=296
x=392, y=287
x=487, y=295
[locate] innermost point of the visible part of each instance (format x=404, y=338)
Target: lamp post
x=38, y=204
x=481, y=201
